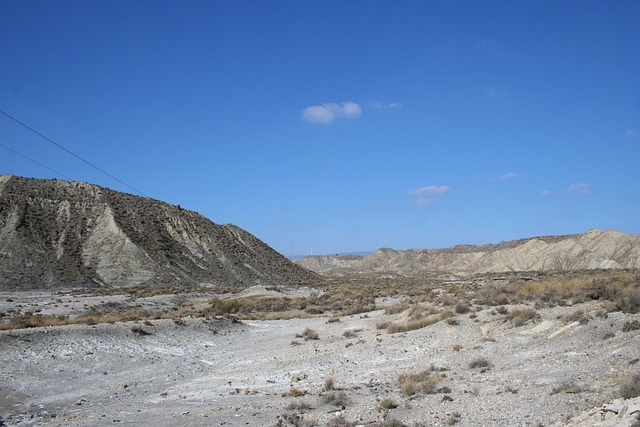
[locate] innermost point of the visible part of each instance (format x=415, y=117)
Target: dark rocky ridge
x=57, y=233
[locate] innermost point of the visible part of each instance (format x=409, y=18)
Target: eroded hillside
x=595, y=249
x=59, y=233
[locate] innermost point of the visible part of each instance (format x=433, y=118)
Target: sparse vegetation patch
x=423, y=382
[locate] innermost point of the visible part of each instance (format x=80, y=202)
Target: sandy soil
x=216, y=372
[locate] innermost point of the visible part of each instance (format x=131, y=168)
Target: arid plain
x=495, y=350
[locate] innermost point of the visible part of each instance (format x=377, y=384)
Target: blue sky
x=338, y=126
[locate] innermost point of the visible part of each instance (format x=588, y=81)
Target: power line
x=73, y=154
x=37, y=163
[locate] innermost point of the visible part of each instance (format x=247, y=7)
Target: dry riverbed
x=484, y=371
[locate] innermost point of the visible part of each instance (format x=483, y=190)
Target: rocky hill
x=595, y=249
x=56, y=233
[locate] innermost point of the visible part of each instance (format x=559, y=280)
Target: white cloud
x=631, y=132
x=432, y=189
x=327, y=113
x=510, y=175
x=425, y=201
x=580, y=187
x=386, y=105
x=545, y=193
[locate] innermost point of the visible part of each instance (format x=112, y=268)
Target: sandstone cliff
x=595, y=249
x=59, y=233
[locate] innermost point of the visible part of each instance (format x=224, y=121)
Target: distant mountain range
x=342, y=254
x=57, y=233
x=595, y=249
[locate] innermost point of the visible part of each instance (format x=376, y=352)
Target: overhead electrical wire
x=72, y=153
x=36, y=162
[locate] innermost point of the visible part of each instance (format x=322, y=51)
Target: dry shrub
x=329, y=384
x=383, y=324
x=423, y=382
x=333, y=319
x=417, y=312
x=480, y=363
x=623, y=289
x=294, y=392
x=247, y=306
x=336, y=399
x=631, y=326
x=397, y=308
x=492, y=295
x=630, y=388
x=300, y=405
x=34, y=321
x=520, y=316
x=388, y=403
x=502, y=310
x=462, y=308
x=576, y=316
x=351, y=333
x=309, y=334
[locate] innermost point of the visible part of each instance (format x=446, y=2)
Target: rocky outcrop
x=595, y=249
x=57, y=233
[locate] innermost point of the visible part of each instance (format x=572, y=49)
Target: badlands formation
x=595, y=249
x=121, y=310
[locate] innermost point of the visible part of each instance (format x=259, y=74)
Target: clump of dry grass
x=423, y=382
x=397, y=307
x=576, y=316
x=481, y=363
x=34, y=321
x=309, y=334
x=300, y=405
x=387, y=403
x=295, y=392
x=336, y=399
x=462, y=307
x=329, y=384
x=351, y=333
x=520, y=316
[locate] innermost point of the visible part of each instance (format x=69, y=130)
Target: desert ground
x=477, y=366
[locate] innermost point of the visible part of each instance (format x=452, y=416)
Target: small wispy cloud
x=386, y=105
x=631, y=133
x=432, y=189
x=545, y=193
x=580, y=187
x=492, y=92
x=509, y=175
x=327, y=113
